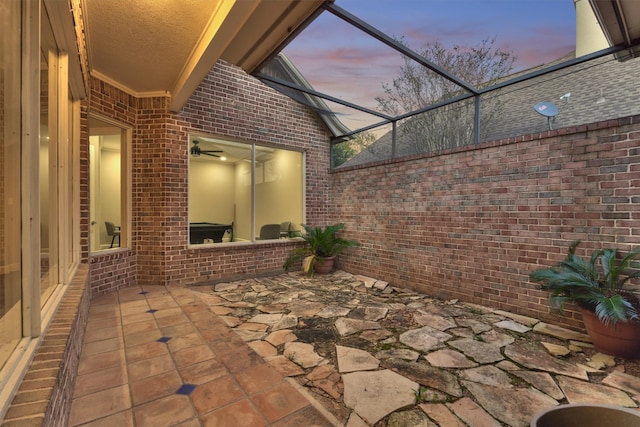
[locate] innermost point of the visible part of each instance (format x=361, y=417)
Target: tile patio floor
x=159, y=357
x=232, y=355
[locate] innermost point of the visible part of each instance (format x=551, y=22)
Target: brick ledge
x=44, y=396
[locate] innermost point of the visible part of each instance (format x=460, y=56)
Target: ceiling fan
x=197, y=151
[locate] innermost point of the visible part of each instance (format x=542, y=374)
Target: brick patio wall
x=45, y=394
x=473, y=223
x=228, y=104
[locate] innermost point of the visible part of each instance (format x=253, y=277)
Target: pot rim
x=543, y=412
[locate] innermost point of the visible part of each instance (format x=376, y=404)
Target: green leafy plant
x=595, y=284
x=420, y=395
x=321, y=243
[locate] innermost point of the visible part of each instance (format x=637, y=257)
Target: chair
x=270, y=231
x=113, y=231
x=285, y=229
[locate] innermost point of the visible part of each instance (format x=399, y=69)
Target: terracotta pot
x=586, y=415
x=325, y=266
x=621, y=340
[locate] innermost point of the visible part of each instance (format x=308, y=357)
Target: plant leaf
x=614, y=309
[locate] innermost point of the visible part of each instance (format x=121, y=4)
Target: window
x=39, y=180
x=108, y=142
x=10, y=181
x=49, y=133
x=242, y=192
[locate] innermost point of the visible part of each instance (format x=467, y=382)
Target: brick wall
x=109, y=270
x=474, y=222
x=157, y=166
x=83, y=154
x=228, y=104
x=112, y=270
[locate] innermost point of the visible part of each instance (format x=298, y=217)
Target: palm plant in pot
x=610, y=313
x=322, y=246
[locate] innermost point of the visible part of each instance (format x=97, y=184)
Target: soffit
x=619, y=20
x=166, y=47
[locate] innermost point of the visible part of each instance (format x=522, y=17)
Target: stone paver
x=623, y=381
x=536, y=359
x=424, y=339
x=413, y=418
x=578, y=392
x=353, y=359
x=488, y=374
x=372, y=353
x=512, y=326
x=280, y=337
x=433, y=320
x=473, y=414
x=599, y=361
x=426, y=375
x=356, y=421
x=560, y=332
x=541, y=381
x=514, y=407
x=556, y=349
x=447, y=358
x=351, y=326
x=302, y=354
x=525, y=320
x=441, y=415
x=398, y=353
x=479, y=351
x=374, y=395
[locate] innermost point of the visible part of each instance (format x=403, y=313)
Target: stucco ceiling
x=156, y=47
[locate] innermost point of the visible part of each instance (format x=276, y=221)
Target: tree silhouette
x=417, y=86
x=346, y=150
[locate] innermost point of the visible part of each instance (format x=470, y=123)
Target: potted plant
x=610, y=313
x=323, y=245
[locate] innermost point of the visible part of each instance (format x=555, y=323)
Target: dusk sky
x=341, y=61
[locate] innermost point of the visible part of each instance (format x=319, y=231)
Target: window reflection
x=10, y=260
x=49, y=271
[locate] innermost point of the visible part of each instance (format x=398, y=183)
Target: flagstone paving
x=375, y=355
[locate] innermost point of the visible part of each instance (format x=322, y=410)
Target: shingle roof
x=600, y=89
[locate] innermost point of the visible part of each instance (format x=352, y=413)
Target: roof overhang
x=620, y=23
x=245, y=33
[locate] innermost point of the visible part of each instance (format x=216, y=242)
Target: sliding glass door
x=10, y=181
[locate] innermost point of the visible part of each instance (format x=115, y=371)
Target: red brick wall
x=112, y=270
x=84, y=181
x=473, y=223
x=159, y=170
x=109, y=270
x=229, y=104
